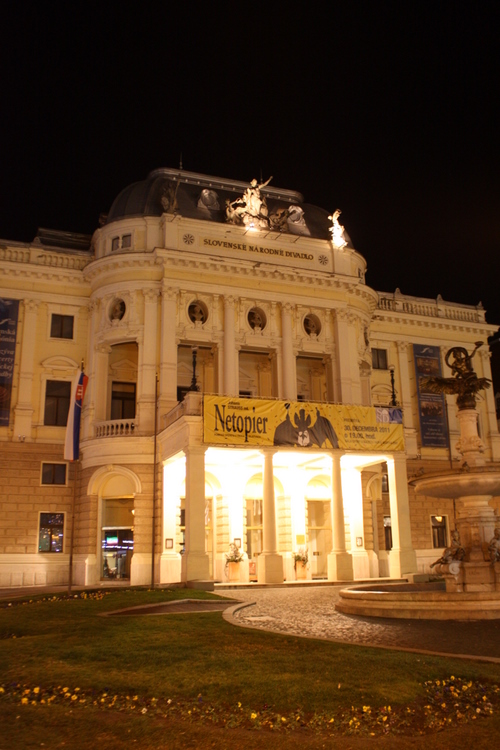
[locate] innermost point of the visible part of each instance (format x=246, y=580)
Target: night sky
x=386, y=110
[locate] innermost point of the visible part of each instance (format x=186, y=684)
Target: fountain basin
x=428, y=601
x=456, y=484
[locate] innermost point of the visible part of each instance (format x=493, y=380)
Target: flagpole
x=73, y=512
x=72, y=453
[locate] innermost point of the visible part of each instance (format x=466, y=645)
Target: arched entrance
x=116, y=488
x=319, y=525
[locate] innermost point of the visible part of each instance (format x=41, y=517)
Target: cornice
x=146, y=261
x=444, y=324
x=247, y=269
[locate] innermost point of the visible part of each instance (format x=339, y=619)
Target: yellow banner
x=296, y=424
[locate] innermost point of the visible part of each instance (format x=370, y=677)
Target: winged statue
x=465, y=383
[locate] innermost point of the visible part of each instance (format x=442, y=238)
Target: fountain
x=471, y=565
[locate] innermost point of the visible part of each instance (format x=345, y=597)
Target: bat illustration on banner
x=304, y=433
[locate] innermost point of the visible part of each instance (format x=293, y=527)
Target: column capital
x=150, y=295
x=31, y=305
x=287, y=308
x=402, y=346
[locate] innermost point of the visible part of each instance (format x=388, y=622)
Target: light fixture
x=393, y=390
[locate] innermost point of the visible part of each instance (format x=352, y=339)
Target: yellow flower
x=24, y=700
x=74, y=697
x=283, y=719
x=239, y=704
x=253, y=715
x=65, y=690
x=36, y=690
x=331, y=721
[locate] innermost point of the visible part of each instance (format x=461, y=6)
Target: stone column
x=406, y=400
x=347, y=351
x=146, y=398
x=88, y=407
x=489, y=395
x=101, y=382
x=270, y=563
x=288, y=358
x=402, y=558
x=167, y=398
x=353, y=488
x=23, y=411
x=170, y=560
x=195, y=561
x=339, y=560
x=230, y=358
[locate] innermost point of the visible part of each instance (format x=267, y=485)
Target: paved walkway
x=310, y=611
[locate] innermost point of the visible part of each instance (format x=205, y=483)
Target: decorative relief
x=188, y=239
x=256, y=319
x=312, y=325
x=198, y=313
x=337, y=230
x=251, y=209
x=209, y=199
x=168, y=198
x=117, y=310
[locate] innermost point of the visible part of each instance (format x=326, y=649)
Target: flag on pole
x=72, y=442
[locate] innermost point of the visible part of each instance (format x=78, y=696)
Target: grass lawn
x=74, y=679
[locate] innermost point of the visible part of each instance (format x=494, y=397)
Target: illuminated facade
x=267, y=295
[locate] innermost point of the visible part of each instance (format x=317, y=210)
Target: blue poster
x=431, y=406
x=9, y=309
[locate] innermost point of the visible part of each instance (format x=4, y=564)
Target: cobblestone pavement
x=310, y=611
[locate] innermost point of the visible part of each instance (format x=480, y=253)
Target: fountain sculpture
x=470, y=566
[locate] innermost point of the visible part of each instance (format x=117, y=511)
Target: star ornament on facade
x=337, y=230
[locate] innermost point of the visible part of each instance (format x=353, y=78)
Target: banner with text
x=9, y=309
x=261, y=422
x=431, y=406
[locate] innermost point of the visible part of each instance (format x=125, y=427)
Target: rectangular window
x=53, y=473
x=126, y=241
x=439, y=526
x=57, y=398
x=115, y=243
x=123, y=401
x=385, y=483
x=379, y=359
x=61, y=326
x=51, y=532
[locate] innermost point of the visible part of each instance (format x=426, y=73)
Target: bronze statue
x=494, y=547
x=454, y=552
x=464, y=383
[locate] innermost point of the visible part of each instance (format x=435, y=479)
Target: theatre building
x=248, y=392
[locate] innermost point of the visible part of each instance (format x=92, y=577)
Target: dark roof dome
x=204, y=197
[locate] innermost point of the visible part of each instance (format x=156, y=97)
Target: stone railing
x=437, y=308
x=115, y=428
x=190, y=407
x=40, y=257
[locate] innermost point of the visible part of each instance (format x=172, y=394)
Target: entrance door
x=319, y=534
x=117, y=537
x=254, y=535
